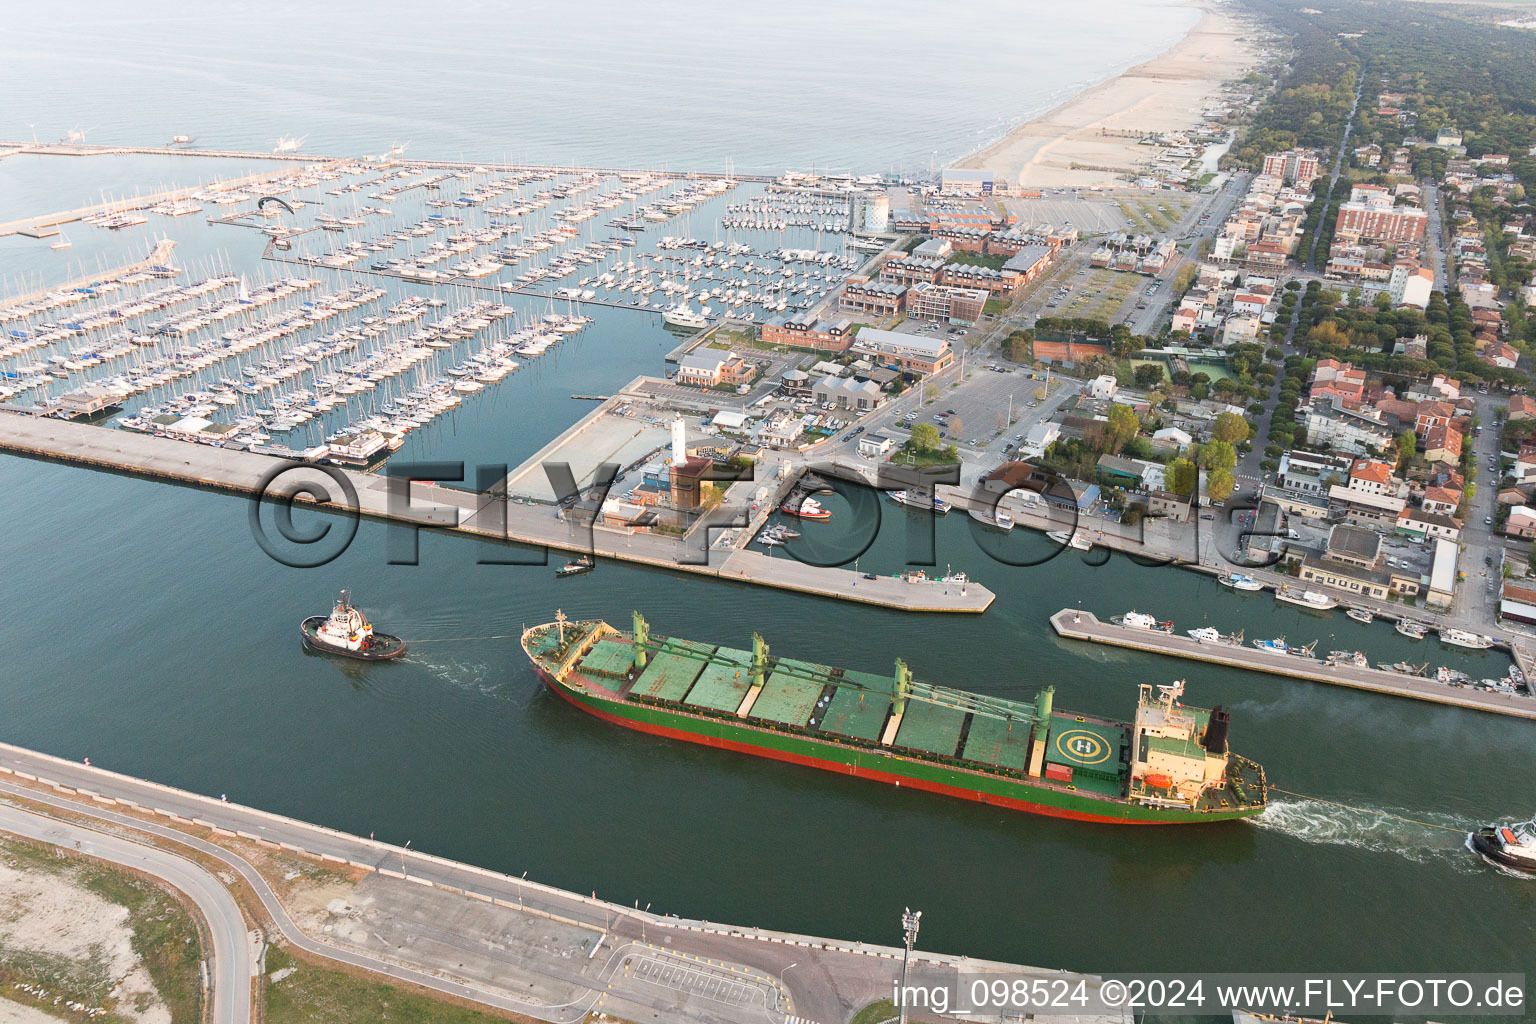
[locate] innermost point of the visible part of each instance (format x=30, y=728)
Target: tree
x=956, y=426
x=1531, y=558
x=925, y=437
x=1123, y=425
x=1219, y=484
x=1230, y=427
x=930, y=392
x=1407, y=447
x=1218, y=455
x=1149, y=376
x=1181, y=477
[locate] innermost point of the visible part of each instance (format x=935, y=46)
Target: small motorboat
x=348, y=632
x=1141, y=620
x=805, y=508
x=1512, y=846
x=1364, y=615
x=575, y=567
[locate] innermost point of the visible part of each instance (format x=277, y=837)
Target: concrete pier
x=1080, y=625
x=458, y=511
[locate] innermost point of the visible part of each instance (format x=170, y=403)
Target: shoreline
x=1067, y=146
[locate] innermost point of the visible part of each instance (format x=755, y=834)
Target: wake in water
x=1379, y=830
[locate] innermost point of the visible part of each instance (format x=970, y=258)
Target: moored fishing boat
x=1141, y=620
x=1306, y=599
x=1169, y=765
x=1239, y=581
x=347, y=632
x=1410, y=629
x=1275, y=646
x=575, y=567
x=1364, y=615
x=1465, y=638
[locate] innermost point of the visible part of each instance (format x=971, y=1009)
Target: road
x=233, y=965
x=832, y=979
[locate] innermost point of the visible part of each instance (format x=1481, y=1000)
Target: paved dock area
x=458, y=511
x=1080, y=625
x=499, y=939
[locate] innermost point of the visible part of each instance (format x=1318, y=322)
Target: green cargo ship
x=1170, y=765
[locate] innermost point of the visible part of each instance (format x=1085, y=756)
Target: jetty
x=158, y=257
x=1076, y=624
x=486, y=516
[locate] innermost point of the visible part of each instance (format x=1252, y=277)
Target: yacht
x=682, y=316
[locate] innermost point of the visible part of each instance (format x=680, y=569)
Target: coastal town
x=1253, y=318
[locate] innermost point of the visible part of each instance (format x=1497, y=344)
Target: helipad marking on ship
x=1085, y=747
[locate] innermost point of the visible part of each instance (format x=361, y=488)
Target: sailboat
x=62, y=243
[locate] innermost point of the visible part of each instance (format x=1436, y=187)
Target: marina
x=1076, y=624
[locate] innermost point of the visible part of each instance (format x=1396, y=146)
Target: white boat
x=1364, y=615
x=1275, y=646
x=917, y=500
x=1410, y=629
x=1306, y=598
x=1238, y=581
x=1464, y=638
x=1081, y=543
x=1141, y=620
x=682, y=316
x=1003, y=520
x=1512, y=845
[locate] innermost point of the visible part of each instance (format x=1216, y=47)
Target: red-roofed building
x=1432, y=415
x=1500, y=354
x=1522, y=407
x=1372, y=477
x=1443, y=500
x=1443, y=444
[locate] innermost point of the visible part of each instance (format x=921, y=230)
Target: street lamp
x=407, y=846
x=909, y=922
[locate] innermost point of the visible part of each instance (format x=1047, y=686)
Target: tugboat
x=575, y=567
x=348, y=633
x=1513, y=845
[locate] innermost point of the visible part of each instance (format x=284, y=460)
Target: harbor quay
x=457, y=511
x=482, y=935
x=1075, y=624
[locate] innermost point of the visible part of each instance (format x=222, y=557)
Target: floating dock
x=459, y=511
x=1080, y=625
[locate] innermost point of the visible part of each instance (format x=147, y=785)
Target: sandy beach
x=1069, y=145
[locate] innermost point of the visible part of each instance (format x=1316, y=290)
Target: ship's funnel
x=1215, y=740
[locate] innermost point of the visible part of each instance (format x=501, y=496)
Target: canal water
x=144, y=628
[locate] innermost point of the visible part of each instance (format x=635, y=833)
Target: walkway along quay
x=1075, y=624
x=833, y=979
x=458, y=511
